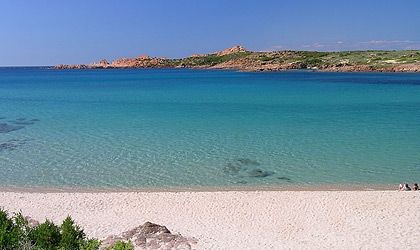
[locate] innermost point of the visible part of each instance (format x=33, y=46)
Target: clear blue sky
x=41, y=32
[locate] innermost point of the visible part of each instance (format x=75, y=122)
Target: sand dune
x=242, y=219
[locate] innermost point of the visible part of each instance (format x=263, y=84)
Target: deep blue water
x=189, y=128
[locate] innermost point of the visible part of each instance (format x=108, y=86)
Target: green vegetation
x=13, y=231
x=16, y=233
x=210, y=60
x=121, y=245
x=305, y=59
x=46, y=236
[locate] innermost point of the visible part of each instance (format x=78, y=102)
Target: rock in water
x=284, y=178
x=259, y=173
x=6, y=128
x=23, y=122
x=8, y=146
x=232, y=168
x=12, y=144
x=240, y=165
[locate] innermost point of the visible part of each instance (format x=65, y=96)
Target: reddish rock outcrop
x=101, y=64
x=406, y=68
x=151, y=236
x=234, y=49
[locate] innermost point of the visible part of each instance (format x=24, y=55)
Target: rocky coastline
x=239, y=58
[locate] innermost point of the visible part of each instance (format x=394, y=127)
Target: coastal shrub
x=16, y=233
x=312, y=62
x=46, y=236
x=24, y=229
x=90, y=244
x=121, y=245
x=72, y=237
x=9, y=233
x=265, y=58
x=13, y=231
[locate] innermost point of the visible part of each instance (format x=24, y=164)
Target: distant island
x=239, y=58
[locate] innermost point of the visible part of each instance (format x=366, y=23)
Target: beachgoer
x=400, y=187
x=415, y=187
x=406, y=187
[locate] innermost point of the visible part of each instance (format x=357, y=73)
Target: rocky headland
x=239, y=58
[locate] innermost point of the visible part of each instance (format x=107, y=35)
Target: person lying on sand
x=404, y=187
x=415, y=187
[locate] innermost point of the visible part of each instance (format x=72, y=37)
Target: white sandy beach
x=242, y=219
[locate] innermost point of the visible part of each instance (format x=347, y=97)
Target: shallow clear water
x=186, y=128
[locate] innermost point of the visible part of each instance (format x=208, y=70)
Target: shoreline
x=285, y=188
x=54, y=68
x=238, y=69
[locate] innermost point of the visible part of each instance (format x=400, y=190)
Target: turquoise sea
x=198, y=128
